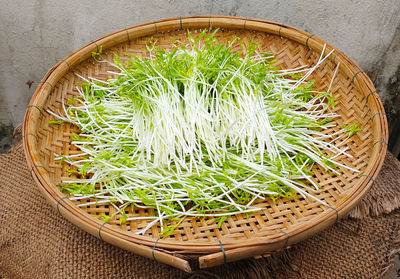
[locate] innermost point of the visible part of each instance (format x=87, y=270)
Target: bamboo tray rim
x=110, y=234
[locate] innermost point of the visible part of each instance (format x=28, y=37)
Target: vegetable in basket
x=200, y=130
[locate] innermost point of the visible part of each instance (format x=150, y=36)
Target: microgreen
x=200, y=130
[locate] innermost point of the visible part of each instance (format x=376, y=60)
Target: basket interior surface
x=283, y=215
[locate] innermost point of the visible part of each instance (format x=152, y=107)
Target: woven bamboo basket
x=279, y=224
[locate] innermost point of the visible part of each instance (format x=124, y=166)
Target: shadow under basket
x=279, y=224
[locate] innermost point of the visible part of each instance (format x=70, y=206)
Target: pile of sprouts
x=199, y=130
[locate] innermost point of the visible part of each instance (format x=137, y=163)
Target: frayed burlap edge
x=375, y=206
x=381, y=199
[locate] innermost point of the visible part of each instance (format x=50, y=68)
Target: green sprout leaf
x=56, y=121
x=353, y=129
x=97, y=54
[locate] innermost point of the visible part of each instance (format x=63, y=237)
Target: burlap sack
x=35, y=242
